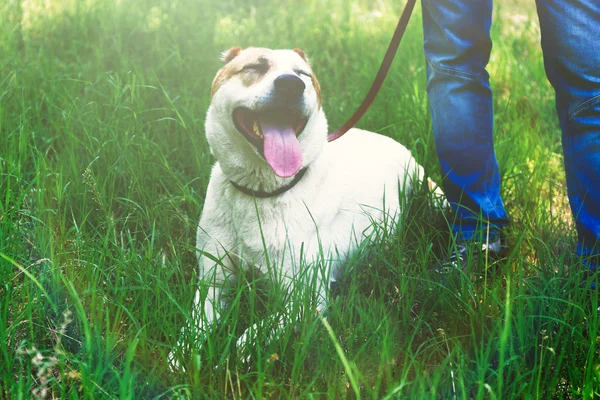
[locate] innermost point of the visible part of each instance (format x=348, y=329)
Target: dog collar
x=263, y=194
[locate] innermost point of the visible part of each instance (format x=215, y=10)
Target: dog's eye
x=302, y=72
x=260, y=68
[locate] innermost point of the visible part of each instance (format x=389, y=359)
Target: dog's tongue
x=281, y=147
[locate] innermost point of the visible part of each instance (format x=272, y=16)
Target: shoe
x=473, y=253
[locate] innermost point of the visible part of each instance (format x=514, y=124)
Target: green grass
x=103, y=170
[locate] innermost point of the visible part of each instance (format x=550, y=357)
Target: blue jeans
x=457, y=50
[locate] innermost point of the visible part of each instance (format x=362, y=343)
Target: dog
x=279, y=194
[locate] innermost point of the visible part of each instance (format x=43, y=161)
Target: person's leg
x=571, y=44
x=457, y=50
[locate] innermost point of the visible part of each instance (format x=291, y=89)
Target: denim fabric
x=457, y=49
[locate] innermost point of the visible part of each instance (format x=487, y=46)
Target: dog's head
x=265, y=114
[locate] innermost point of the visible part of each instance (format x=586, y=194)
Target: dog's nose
x=289, y=86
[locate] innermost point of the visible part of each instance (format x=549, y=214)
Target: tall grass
x=103, y=170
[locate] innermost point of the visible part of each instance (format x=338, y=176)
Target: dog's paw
x=243, y=343
x=174, y=363
x=177, y=365
x=251, y=337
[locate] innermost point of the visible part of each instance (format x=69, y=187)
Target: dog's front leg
x=326, y=280
x=205, y=312
x=208, y=304
x=273, y=327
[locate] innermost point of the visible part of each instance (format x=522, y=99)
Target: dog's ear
x=230, y=54
x=301, y=53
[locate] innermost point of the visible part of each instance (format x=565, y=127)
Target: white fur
x=332, y=208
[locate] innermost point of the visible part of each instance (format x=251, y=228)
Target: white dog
x=278, y=188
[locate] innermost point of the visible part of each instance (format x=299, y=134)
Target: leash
x=381, y=74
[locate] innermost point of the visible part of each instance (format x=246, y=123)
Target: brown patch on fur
x=317, y=87
x=235, y=65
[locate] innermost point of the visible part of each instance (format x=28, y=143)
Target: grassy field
x=103, y=170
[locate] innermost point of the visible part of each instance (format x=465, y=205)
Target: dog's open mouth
x=275, y=135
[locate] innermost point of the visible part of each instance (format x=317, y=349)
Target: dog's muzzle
x=274, y=132
x=274, y=128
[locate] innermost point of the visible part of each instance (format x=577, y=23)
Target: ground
x=103, y=170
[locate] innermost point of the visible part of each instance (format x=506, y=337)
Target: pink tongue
x=281, y=148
